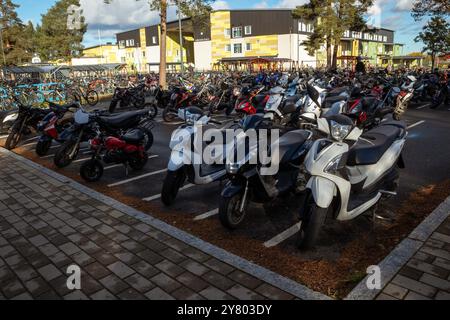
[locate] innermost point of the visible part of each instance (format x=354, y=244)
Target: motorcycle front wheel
x=91, y=171
x=63, y=156
x=13, y=138
x=312, y=222
x=153, y=110
x=172, y=183
x=92, y=97
x=168, y=114
x=230, y=214
x=138, y=163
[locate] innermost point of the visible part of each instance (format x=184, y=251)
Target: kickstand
x=126, y=169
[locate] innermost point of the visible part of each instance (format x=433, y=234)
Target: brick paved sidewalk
x=46, y=225
x=427, y=274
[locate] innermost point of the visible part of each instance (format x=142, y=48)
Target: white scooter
x=347, y=181
x=182, y=164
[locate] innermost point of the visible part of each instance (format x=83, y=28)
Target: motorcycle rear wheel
x=138, y=163
x=91, y=170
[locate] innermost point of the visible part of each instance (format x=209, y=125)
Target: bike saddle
x=122, y=119
x=135, y=136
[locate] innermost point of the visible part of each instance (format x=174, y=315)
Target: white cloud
x=290, y=3
x=404, y=5
x=261, y=5
x=217, y=5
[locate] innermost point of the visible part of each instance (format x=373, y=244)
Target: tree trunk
x=433, y=61
x=162, y=45
x=334, y=59
x=328, y=45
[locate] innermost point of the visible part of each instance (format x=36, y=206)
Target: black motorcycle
x=28, y=118
x=248, y=184
x=133, y=97
x=86, y=126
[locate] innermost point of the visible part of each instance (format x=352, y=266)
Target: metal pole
x=181, y=40
x=1, y=41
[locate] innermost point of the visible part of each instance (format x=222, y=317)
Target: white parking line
x=28, y=144
x=416, y=124
x=136, y=178
x=81, y=160
x=36, y=137
x=121, y=165
x=159, y=195
x=283, y=236
x=424, y=106
x=207, y=215
x=46, y=157
x=4, y=136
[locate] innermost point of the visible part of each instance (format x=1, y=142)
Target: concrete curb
x=398, y=257
x=257, y=271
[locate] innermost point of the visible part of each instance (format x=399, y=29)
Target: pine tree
x=191, y=8
x=9, y=23
x=331, y=18
x=423, y=8
x=55, y=40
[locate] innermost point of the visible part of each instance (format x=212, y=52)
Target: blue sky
x=128, y=14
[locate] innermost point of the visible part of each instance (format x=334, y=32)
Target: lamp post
x=1, y=41
x=181, y=37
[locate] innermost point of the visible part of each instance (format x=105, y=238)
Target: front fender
x=231, y=189
x=178, y=159
x=323, y=191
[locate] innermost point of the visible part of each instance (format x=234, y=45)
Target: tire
x=153, y=110
x=138, y=163
x=42, y=147
x=168, y=115
x=113, y=106
x=62, y=159
x=228, y=208
x=172, y=183
x=92, y=97
x=149, y=139
x=311, y=225
x=13, y=138
x=91, y=170
x=437, y=101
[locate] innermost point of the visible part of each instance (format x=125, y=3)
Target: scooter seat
x=372, y=145
x=135, y=136
x=329, y=101
x=290, y=143
x=122, y=120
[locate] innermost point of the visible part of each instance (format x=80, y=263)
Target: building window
x=130, y=43
x=143, y=54
x=237, y=48
x=122, y=44
x=384, y=38
x=302, y=26
x=347, y=34
x=123, y=59
x=248, y=46
x=154, y=40
x=237, y=32
x=227, y=32
x=248, y=30
x=228, y=47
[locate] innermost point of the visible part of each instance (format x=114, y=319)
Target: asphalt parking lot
x=427, y=162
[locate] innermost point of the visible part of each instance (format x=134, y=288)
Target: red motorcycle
x=128, y=150
x=179, y=98
x=249, y=101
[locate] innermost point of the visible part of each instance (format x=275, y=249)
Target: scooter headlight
x=338, y=131
x=232, y=168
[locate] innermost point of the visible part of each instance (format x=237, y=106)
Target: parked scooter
x=347, y=181
x=248, y=184
x=53, y=125
x=181, y=166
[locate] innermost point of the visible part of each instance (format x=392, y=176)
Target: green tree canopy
x=423, y=8
x=436, y=37
x=56, y=41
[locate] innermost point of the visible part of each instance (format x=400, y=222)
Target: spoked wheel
x=231, y=211
x=168, y=114
x=92, y=97
x=312, y=221
x=91, y=171
x=138, y=162
x=148, y=139
x=13, y=139
x=172, y=184
x=66, y=153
